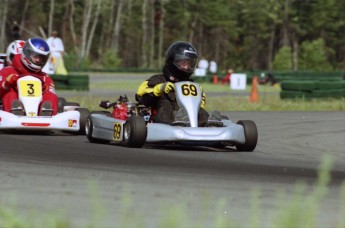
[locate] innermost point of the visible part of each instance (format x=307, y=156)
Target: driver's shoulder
x=156, y=79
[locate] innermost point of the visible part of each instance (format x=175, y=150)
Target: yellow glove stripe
x=203, y=100
x=144, y=89
x=158, y=90
x=169, y=87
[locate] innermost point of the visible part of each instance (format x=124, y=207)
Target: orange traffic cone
x=215, y=79
x=254, y=94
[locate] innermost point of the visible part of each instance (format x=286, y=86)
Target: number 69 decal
x=117, y=131
x=189, y=90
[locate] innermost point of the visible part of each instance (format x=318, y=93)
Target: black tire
x=88, y=132
x=62, y=102
x=84, y=113
x=250, y=134
x=134, y=132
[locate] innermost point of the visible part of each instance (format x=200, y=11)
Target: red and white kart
x=70, y=117
x=131, y=124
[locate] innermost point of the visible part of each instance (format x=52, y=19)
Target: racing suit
x=165, y=105
x=8, y=95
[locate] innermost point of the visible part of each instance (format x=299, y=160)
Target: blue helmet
x=35, y=54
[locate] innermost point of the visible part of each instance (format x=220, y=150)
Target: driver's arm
x=203, y=99
x=145, y=94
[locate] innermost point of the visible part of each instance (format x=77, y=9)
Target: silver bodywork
x=189, y=98
x=103, y=127
x=230, y=132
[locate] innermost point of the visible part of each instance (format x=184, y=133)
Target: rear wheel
x=61, y=104
x=251, y=135
x=135, y=132
x=84, y=113
x=89, y=130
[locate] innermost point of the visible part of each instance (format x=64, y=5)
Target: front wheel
x=135, y=132
x=89, y=130
x=250, y=134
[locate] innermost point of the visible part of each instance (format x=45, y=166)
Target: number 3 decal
x=189, y=90
x=31, y=90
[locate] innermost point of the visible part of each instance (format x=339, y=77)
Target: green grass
x=299, y=209
x=118, y=84
x=273, y=103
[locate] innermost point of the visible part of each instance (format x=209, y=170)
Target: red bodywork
x=120, y=111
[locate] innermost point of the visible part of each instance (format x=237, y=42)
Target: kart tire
x=84, y=113
x=250, y=134
x=61, y=104
x=88, y=132
x=134, y=132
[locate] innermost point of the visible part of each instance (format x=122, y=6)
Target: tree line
x=241, y=34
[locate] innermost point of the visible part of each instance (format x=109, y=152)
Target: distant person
x=271, y=79
x=57, y=52
x=213, y=67
x=13, y=49
x=15, y=31
x=203, y=63
x=2, y=60
x=227, y=77
x=202, y=67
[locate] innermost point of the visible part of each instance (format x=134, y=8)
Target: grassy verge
x=240, y=103
x=220, y=97
x=300, y=209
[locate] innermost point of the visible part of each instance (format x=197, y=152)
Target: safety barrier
x=292, y=89
x=71, y=82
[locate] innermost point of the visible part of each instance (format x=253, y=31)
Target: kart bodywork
x=131, y=124
x=69, y=118
x=123, y=125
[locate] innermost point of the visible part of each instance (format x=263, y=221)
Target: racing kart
x=131, y=123
x=70, y=117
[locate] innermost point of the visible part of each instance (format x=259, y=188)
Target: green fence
x=71, y=82
x=291, y=89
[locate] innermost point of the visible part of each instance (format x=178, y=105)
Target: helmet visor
x=186, y=65
x=36, y=58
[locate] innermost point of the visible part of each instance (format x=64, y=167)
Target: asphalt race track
x=103, y=184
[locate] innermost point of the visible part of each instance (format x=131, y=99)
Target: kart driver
x=30, y=61
x=13, y=48
x=157, y=92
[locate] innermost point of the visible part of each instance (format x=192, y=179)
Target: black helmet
x=180, y=62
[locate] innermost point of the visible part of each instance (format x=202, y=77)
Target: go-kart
x=70, y=117
x=131, y=123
